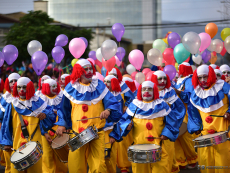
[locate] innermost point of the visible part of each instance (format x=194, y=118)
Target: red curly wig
x=40, y=84
x=185, y=70
x=67, y=80
x=131, y=85
x=115, y=85
x=46, y=89
x=2, y=85
x=7, y=85
x=155, y=80
x=30, y=91
x=223, y=77
x=119, y=75
x=155, y=92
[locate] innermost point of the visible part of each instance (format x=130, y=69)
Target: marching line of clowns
x=161, y=108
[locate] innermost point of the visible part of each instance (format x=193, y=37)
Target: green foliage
x=36, y=26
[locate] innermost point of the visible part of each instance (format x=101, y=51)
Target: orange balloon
x=211, y=29
x=127, y=75
x=213, y=59
x=98, y=69
x=30, y=66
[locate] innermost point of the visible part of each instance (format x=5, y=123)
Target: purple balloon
x=120, y=53
x=173, y=39
x=206, y=56
x=1, y=59
x=61, y=40
x=39, y=61
x=118, y=31
x=92, y=54
x=10, y=53
x=170, y=70
x=85, y=40
x=58, y=54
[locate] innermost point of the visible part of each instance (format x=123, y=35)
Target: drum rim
x=60, y=146
x=138, y=150
x=223, y=134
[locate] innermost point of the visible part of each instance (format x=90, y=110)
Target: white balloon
x=99, y=54
x=191, y=41
x=212, y=46
x=130, y=69
x=193, y=67
x=34, y=46
x=227, y=44
x=197, y=59
x=219, y=45
x=108, y=49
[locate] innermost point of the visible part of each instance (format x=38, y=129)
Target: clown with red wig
x=214, y=66
x=178, y=110
x=87, y=97
x=41, y=117
x=65, y=79
x=225, y=69
x=131, y=84
x=52, y=95
x=40, y=82
x=219, y=74
x=210, y=97
x=152, y=119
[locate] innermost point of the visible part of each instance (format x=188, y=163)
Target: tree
x=36, y=26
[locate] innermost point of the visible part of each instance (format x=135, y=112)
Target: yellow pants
x=2, y=162
x=50, y=162
x=91, y=153
x=6, y=157
x=217, y=155
x=122, y=156
x=184, y=150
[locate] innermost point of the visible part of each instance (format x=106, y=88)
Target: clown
x=65, y=79
x=86, y=97
x=178, y=110
x=225, y=69
x=42, y=116
x=214, y=66
x=1, y=87
x=52, y=95
x=152, y=119
x=219, y=74
x=41, y=81
x=210, y=97
x=131, y=84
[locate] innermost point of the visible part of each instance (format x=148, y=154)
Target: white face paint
x=12, y=83
x=218, y=76
x=21, y=91
x=43, y=79
x=161, y=82
x=226, y=73
x=147, y=93
x=62, y=83
x=54, y=89
x=88, y=72
x=108, y=84
x=203, y=80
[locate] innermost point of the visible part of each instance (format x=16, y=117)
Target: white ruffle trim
x=147, y=106
x=94, y=101
x=38, y=93
x=82, y=88
x=109, y=128
x=39, y=110
x=164, y=91
x=210, y=92
x=2, y=108
x=171, y=100
x=8, y=97
x=180, y=80
x=27, y=103
x=53, y=102
x=126, y=90
x=115, y=93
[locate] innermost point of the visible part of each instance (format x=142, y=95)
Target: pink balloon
x=109, y=64
x=90, y=59
x=187, y=60
x=172, y=62
x=205, y=41
x=137, y=84
x=145, y=71
x=136, y=58
x=118, y=62
x=77, y=47
x=133, y=75
x=149, y=76
x=99, y=76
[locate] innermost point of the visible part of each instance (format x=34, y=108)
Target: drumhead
x=183, y=129
x=209, y=136
x=26, y=150
x=60, y=141
x=144, y=147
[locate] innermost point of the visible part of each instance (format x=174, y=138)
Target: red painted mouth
x=162, y=84
x=22, y=93
x=89, y=75
x=55, y=90
x=147, y=95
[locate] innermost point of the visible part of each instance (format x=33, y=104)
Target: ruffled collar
x=124, y=87
x=81, y=88
x=8, y=97
x=145, y=106
x=52, y=101
x=163, y=92
x=27, y=103
x=169, y=95
x=180, y=80
x=115, y=93
x=38, y=93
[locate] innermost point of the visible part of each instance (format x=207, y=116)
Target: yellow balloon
x=73, y=62
x=176, y=66
x=165, y=40
x=225, y=33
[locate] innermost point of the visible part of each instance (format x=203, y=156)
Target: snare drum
x=183, y=129
x=144, y=153
x=211, y=139
x=60, y=147
x=82, y=138
x=32, y=152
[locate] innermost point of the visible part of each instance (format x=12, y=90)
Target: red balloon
x=170, y=62
x=223, y=50
x=145, y=71
x=109, y=64
x=133, y=75
x=168, y=55
x=98, y=63
x=149, y=76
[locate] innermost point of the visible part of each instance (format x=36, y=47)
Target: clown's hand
x=41, y=116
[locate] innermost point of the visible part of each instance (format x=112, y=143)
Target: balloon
x=172, y=62
x=212, y=46
x=168, y=55
x=180, y=53
x=223, y=50
x=140, y=77
x=130, y=69
x=85, y=40
x=193, y=67
x=170, y=70
x=98, y=69
x=103, y=71
x=176, y=66
x=145, y=71
x=211, y=29
x=149, y=76
x=227, y=44
x=73, y=62
x=165, y=40
x=197, y=59
x=58, y=54
x=218, y=44
x=39, y=61
x=10, y=53
x=108, y=49
x=187, y=60
x=205, y=41
x=191, y=42
x=118, y=62
x=133, y=75
x=99, y=76
x=77, y=47
x=98, y=63
x=34, y=46
x=109, y=64
x=120, y=53
x=173, y=39
x=1, y=59
x=99, y=55
x=127, y=75
x=136, y=58
x=137, y=84
x=159, y=44
x=154, y=56
x=206, y=56
x=213, y=58
x=92, y=54
x=225, y=33
x=61, y=40
x=118, y=31
x=90, y=59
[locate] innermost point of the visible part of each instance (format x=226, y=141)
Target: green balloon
x=159, y=44
x=180, y=53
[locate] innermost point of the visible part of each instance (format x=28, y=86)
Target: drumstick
x=16, y=151
x=107, y=143
x=87, y=119
x=217, y=116
x=153, y=137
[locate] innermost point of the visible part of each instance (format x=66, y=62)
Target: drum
x=30, y=154
x=60, y=147
x=82, y=138
x=183, y=129
x=211, y=139
x=144, y=153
